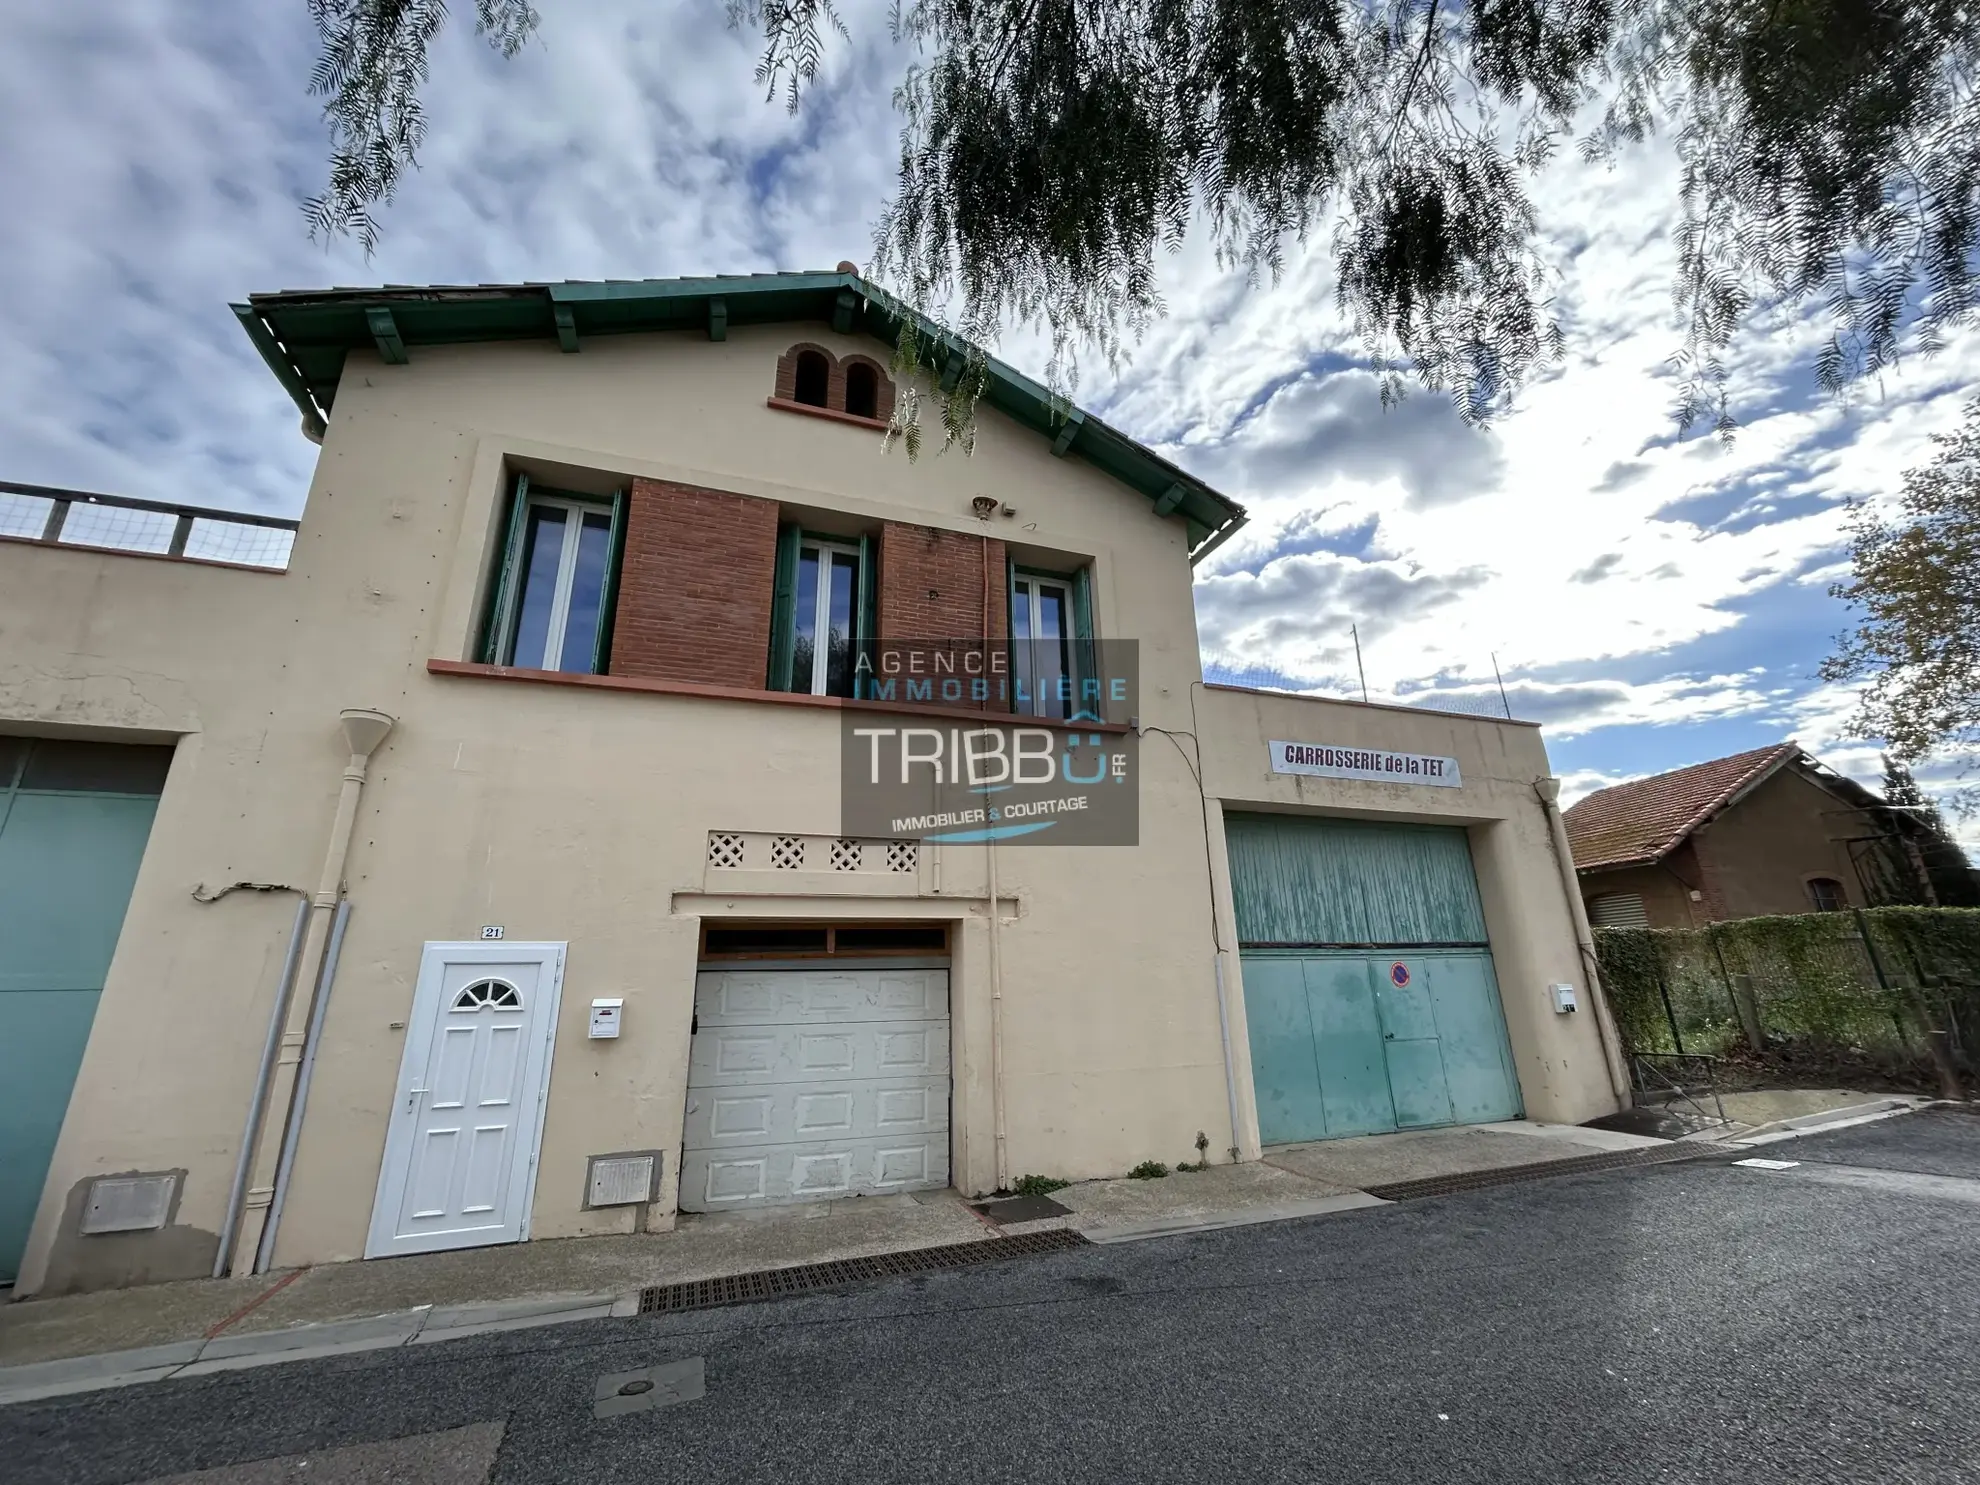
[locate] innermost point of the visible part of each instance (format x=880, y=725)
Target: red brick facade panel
x=933, y=592
x=695, y=586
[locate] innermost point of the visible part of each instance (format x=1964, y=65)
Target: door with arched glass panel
x=460, y=1153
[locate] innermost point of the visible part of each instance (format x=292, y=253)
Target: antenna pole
x=1355, y=630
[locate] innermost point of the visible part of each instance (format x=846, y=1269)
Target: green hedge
x=1817, y=977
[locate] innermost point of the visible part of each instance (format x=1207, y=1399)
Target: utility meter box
x=606, y=1013
x=1564, y=1000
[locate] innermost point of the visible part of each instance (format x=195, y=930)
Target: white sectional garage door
x=809, y=1084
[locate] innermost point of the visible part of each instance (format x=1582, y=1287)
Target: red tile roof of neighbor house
x=1643, y=820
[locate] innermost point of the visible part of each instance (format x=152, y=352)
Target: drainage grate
x=776, y=1283
x=1509, y=1174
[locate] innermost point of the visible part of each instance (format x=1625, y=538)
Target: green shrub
x=1148, y=1170
x=1038, y=1185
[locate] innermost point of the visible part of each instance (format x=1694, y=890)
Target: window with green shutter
x=558, y=581
x=821, y=613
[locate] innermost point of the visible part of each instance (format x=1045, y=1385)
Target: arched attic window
x=814, y=377
x=862, y=390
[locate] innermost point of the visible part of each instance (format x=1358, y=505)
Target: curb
x=1321, y=1206
x=226, y=1353
x=1843, y=1118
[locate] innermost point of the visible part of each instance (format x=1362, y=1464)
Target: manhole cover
x=659, y=1386
x=1020, y=1209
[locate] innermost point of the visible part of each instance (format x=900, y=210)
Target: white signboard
x=1325, y=761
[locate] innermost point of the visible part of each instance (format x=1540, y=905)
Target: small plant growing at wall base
x=1038, y=1185
x=1148, y=1170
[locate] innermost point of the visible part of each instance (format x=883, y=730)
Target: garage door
x=1368, y=982
x=810, y=1084
x=74, y=818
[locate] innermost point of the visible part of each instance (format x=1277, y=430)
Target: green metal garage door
x=73, y=822
x=1368, y=982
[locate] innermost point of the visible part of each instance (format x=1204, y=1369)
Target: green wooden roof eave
x=308, y=331
x=278, y=362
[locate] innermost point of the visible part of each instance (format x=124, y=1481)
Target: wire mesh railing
x=117, y=523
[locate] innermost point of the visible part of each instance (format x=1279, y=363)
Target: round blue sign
x=1399, y=974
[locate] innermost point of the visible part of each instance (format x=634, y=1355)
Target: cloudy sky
x=1653, y=601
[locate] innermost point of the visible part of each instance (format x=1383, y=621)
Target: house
x=1765, y=831
x=619, y=797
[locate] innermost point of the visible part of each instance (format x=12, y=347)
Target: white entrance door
x=809, y=1084
x=460, y=1153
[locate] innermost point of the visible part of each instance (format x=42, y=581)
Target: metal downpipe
x=257, y=1103
x=363, y=732
x=292, y=1133
x=1549, y=790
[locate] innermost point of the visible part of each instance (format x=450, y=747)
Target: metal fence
x=1875, y=986
x=117, y=523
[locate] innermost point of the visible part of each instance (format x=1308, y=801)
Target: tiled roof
x=1641, y=821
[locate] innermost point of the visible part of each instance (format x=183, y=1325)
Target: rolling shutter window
x=1618, y=910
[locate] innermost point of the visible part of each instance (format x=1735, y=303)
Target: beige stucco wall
x=1563, y=1072
x=580, y=815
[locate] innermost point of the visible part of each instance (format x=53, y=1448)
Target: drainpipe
x=251, y=1133
x=1549, y=790
x=997, y=1022
x=996, y=948
x=363, y=732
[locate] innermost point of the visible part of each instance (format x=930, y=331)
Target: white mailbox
x=1564, y=999
x=606, y=1012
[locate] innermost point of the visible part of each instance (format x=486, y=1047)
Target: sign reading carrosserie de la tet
x=1324, y=760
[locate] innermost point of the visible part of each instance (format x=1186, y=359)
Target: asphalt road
x=1665, y=1323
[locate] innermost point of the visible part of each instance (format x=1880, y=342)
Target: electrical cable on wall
x=200, y=894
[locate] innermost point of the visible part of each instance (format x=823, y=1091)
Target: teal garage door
x=1368, y=981
x=73, y=822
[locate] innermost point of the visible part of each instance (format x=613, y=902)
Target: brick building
x=1762, y=832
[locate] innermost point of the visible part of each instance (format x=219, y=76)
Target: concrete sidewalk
x=76, y=1342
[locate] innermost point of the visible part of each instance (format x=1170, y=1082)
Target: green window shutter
x=783, y=609
x=500, y=622
x=865, y=615
x=608, y=600
x=1018, y=662
x=1085, y=658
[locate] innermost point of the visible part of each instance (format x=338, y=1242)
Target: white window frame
x=1028, y=586
x=821, y=662
x=560, y=593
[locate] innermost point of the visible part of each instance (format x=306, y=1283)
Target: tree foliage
x=1934, y=866
x=1050, y=148
x=370, y=70
x=1915, y=584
